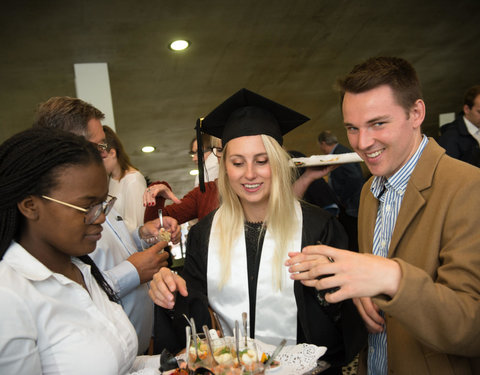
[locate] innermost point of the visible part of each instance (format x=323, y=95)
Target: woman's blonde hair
x=280, y=212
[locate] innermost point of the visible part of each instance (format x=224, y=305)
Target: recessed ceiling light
x=194, y=172
x=179, y=45
x=148, y=149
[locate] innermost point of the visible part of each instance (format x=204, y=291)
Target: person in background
x=461, y=138
x=210, y=163
x=194, y=205
x=239, y=249
x=58, y=314
x=126, y=182
x=346, y=181
x=119, y=253
x=318, y=192
x=416, y=283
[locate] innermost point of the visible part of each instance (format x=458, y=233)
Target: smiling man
x=417, y=282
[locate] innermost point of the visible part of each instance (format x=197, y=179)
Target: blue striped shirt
x=390, y=193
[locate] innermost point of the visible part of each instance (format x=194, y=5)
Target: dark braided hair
x=30, y=163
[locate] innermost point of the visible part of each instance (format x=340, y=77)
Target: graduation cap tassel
x=201, y=177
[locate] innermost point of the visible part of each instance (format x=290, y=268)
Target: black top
x=254, y=236
x=347, y=182
x=459, y=143
x=338, y=326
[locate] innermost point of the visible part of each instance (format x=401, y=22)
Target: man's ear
x=418, y=113
x=28, y=207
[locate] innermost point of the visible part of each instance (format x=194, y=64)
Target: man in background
x=346, y=181
x=461, y=138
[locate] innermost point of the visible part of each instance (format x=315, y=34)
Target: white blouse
x=49, y=324
x=129, y=192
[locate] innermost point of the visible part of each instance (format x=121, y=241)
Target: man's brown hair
x=66, y=113
x=470, y=95
x=394, y=72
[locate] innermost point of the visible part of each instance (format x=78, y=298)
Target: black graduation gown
x=337, y=326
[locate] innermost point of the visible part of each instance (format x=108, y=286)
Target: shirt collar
x=399, y=180
x=472, y=129
x=31, y=268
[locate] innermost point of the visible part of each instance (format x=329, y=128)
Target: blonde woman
x=236, y=255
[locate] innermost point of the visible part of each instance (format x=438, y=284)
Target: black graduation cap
x=246, y=113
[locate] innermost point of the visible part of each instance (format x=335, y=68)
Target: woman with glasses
x=126, y=182
x=235, y=258
x=58, y=315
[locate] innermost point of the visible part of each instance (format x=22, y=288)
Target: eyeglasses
x=217, y=151
x=92, y=213
x=102, y=147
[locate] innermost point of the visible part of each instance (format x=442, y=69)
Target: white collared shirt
x=52, y=325
x=110, y=256
x=472, y=129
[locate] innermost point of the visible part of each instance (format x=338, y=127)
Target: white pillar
x=445, y=118
x=93, y=86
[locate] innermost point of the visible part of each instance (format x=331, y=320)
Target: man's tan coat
x=433, y=322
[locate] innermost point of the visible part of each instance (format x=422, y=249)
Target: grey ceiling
x=291, y=51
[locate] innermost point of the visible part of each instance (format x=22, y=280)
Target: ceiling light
x=193, y=172
x=148, y=149
x=179, y=45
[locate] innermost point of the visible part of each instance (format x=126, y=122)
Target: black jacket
x=459, y=143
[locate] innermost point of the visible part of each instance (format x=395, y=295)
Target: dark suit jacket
x=459, y=143
x=347, y=182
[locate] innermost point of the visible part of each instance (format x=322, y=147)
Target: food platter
x=324, y=160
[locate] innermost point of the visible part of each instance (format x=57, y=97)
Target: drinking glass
x=198, y=354
x=224, y=350
x=249, y=357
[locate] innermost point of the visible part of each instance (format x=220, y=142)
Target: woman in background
x=195, y=204
x=126, y=182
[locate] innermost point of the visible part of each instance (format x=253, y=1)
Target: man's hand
x=311, y=174
x=357, y=275
x=163, y=287
x=370, y=314
x=149, y=196
x=149, y=261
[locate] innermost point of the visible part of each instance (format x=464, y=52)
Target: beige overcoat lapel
x=412, y=203
x=366, y=223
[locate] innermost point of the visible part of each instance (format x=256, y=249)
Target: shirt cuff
x=124, y=278
x=139, y=243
